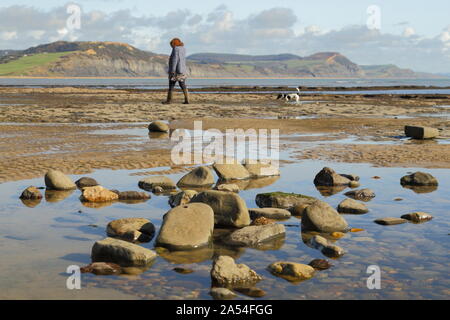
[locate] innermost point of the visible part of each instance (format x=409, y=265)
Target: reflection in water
x=421, y=189
x=97, y=205
x=158, y=135
x=186, y=257
x=330, y=191
x=31, y=203
x=56, y=195
x=414, y=258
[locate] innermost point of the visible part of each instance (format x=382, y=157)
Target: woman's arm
x=173, y=61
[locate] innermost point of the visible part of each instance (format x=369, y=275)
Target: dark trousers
x=173, y=83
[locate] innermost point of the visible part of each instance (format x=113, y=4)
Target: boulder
x=56, y=180
x=229, y=208
x=98, y=194
x=158, y=126
x=282, y=200
x=181, y=198
x=163, y=182
x=354, y=184
x=187, y=227
x=419, y=179
x=231, y=170
x=230, y=187
x=352, y=206
x=102, y=269
x=351, y=177
x=131, y=229
x=258, y=169
x=390, y=221
x=197, y=178
x=328, y=177
x=261, y=221
x=226, y=272
x=125, y=254
x=326, y=247
x=253, y=236
x=271, y=213
x=321, y=217
x=299, y=209
x=418, y=132
x=222, y=294
x=252, y=292
x=86, y=182
x=132, y=195
x=417, y=217
x=362, y=194
x=320, y=264
x=31, y=193
x=291, y=271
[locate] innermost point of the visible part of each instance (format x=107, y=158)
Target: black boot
x=186, y=96
x=169, y=97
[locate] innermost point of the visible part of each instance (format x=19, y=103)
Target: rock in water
x=56, y=180
x=417, y=132
x=270, y=213
x=197, y=178
x=261, y=221
x=229, y=208
x=352, y=206
x=98, y=194
x=86, y=182
x=225, y=272
x=282, y=200
x=362, y=194
x=327, y=248
x=102, y=269
x=187, y=227
x=125, y=254
x=417, y=217
x=351, y=177
x=31, y=193
x=132, y=195
x=131, y=229
x=291, y=271
x=419, y=179
x=321, y=217
x=251, y=292
x=258, y=169
x=231, y=170
x=181, y=198
x=328, y=177
x=222, y=294
x=158, y=126
x=253, y=236
x=390, y=221
x=163, y=182
x=230, y=187
x=320, y=264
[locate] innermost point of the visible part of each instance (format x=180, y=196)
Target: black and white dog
x=290, y=96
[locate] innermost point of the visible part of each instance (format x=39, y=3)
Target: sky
x=411, y=34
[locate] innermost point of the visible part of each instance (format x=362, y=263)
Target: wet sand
x=44, y=128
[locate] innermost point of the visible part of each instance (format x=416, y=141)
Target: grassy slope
x=22, y=65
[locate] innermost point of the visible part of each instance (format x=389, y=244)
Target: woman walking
x=177, y=70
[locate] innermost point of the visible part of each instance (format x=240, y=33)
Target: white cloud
x=8, y=35
x=267, y=32
x=408, y=32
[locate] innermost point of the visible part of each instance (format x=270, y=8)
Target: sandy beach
x=58, y=127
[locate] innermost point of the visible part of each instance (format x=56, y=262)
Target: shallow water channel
x=38, y=243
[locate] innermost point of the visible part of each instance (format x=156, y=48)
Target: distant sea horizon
x=149, y=83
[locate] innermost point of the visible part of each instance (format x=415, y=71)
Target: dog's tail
x=280, y=96
x=298, y=89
